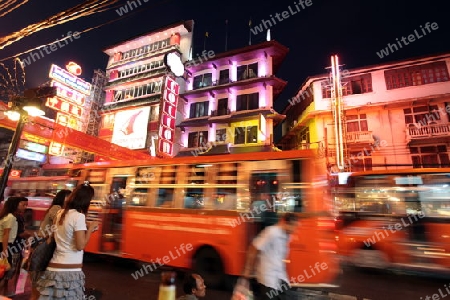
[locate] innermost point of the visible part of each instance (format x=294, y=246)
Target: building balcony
x=220, y=112
x=359, y=137
x=418, y=132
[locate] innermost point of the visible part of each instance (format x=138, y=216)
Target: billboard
x=69, y=80
x=166, y=135
x=130, y=128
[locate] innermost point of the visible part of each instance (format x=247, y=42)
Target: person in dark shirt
x=193, y=287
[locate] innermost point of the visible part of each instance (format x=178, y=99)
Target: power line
x=133, y=12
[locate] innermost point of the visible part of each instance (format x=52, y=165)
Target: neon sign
x=67, y=121
x=73, y=68
x=65, y=92
x=69, y=79
x=167, y=117
x=64, y=106
x=33, y=147
x=30, y=155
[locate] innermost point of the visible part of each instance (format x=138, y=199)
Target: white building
x=395, y=115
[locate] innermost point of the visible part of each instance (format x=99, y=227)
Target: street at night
x=275, y=140
x=112, y=279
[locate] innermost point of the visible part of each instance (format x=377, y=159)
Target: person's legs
x=267, y=293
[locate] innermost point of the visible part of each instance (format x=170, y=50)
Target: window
x=247, y=102
x=226, y=178
x=138, y=91
x=221, y=135
x=350, y=85
x=360, y=160
x=246, y=135
x=141, y=68
x=222, y=107
x=202, y=81
x=422, y=114
x=154, y=113
x=199, y=109
x=356, y=123
x=195, y=196
x=303, y=135
x=430, y=157
x=247, y=71
x=416, y=75
x=197, y=139
x=224, y=76
x=146, y=49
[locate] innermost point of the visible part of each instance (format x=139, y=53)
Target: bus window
x=226, y=182
x=195, y=197
x=139, y=197
x=165, y=198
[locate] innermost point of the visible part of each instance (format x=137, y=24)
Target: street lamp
x=31, y=104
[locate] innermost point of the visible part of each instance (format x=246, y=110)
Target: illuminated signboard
x=65, y=92
x=33, y=147
x=64, y=106
x=130, y=128
x=35, y=139
x=21, y=153
x=13, y=173
x=56, y=149
x=69, y=79
x=67, y=121
x=167, y=117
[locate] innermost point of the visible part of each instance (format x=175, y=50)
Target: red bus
x=396, y=219
x=201, y=213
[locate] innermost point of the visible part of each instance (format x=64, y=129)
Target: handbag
x=4, y=266
x=242, y=290
x=41, y=254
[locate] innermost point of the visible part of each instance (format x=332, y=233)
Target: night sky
x=354, y=29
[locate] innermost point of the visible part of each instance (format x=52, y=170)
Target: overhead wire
x=8, y=3
x=90, y=28
x=87, y=8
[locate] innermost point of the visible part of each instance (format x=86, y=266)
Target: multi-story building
x=229, y=100
x=135, y=74
x=393, y=115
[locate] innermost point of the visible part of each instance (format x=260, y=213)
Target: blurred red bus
x=398, y=219
x=201, y=213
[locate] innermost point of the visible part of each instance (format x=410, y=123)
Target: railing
x=417, y=131
x=359, y=137
x=220, y=112
x=224, y=81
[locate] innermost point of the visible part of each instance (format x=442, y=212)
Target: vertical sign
x=167, y=117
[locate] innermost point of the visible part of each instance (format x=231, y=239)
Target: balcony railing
x=223, y=81
x=220, y=112
x=359, y=137
x=418, y=131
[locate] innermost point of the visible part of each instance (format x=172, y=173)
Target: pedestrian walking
x=267, y=254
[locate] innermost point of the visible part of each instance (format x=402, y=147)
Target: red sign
x=68, y=93
x=167, y=117
x=13, y=173
x=64, y=106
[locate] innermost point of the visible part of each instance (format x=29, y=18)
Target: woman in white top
x=45, y=230
x=8, y=233
x=64, y=278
